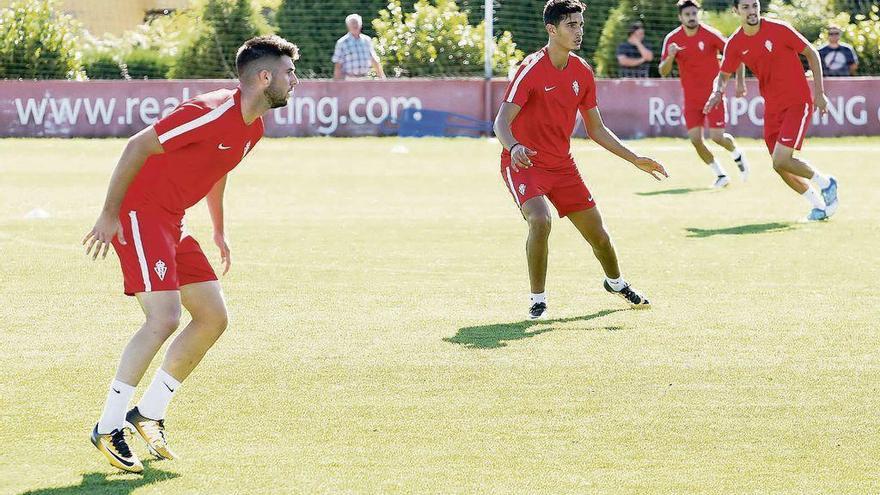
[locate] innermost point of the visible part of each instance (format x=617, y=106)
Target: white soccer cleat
x=721, y=182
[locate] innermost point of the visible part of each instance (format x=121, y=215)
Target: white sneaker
x=720, y=182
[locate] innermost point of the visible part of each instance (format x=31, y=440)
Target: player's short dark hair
x=683, y=4
x=635, y=27
x=557, y=10
x=261, y=47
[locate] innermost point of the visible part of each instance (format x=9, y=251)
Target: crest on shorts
x=701, y=46
x=768, y=45
x=522, y=189
x=576, y=87
x=161, y=269
x=247, y=148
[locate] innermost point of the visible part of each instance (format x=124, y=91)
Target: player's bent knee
x=780, y=164
x=540, y=224
x=164, y=324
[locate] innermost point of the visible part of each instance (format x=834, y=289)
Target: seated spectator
x=838, y=59
x=633, y=55
x=354, y=55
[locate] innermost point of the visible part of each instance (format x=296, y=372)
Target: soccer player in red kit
x=165, y=169
x=534, y=124
x=696, y=47
x=770, y=49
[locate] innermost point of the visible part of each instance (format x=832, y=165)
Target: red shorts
x=563, y=187
x=694, y=116
x=787, y=126
x=158, y=255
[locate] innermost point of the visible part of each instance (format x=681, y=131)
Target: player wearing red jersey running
x=770, y=50
x=165, y=169
x=695, y=47
x=534, y=125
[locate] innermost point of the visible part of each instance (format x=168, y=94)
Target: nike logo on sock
x=169, y=388
x=113, y=389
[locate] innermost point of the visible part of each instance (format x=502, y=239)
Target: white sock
x=736, y=154
x=821, y=180
x=616, y=283
x=155, y=401
x=719, y=170
x=538, y=298
x=814, y=198
x=115, y=407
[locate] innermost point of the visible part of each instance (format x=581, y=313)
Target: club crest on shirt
x=522, y=189
x=769, y=46
x=576, y=87
x=161, y=269
x=701, y=46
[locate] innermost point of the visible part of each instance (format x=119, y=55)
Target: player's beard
x=692, y=24
x=276, y=99
x=753, y=20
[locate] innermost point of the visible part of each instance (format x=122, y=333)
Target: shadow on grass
x=754, y=228
x=494, y=336
x=117, y=483
x=683, y=190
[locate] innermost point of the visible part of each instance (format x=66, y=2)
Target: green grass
x=377, y=342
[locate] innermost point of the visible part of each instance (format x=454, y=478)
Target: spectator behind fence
x=633, y=55
x=354, y=54
x=838, y=59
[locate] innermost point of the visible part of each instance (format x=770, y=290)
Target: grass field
x=377, y=342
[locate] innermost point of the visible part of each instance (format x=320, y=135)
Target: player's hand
x=519, y=157
x=225, y=256
x=101, y=236
x=741, y=91
x=673, y=48
x=714, y=100
x=821, y=102
x=651, y=167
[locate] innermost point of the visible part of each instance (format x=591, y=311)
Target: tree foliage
x=38, y=42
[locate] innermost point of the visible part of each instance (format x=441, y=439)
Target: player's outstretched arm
x=519, y=154
x=819, y=98
x=717, y=91
x=139, y=147
x=605, y=138
x=215, y=208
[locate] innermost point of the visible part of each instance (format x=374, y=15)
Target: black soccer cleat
x=538, y=311
x=630, y=295
x=115, y=448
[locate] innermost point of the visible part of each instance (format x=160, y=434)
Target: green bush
x=436, y=39
x=725, y=21
x=102, y=66
x=809, y=17
x=146, y=64
x=659, y=19
x=224, y=26
x=37, y=42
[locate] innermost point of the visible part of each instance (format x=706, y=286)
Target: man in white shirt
x=354, y=55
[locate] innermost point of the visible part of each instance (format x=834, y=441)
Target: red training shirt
x=204, y=138
x=550, y=99
x=697, y=60
x=772, y=55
